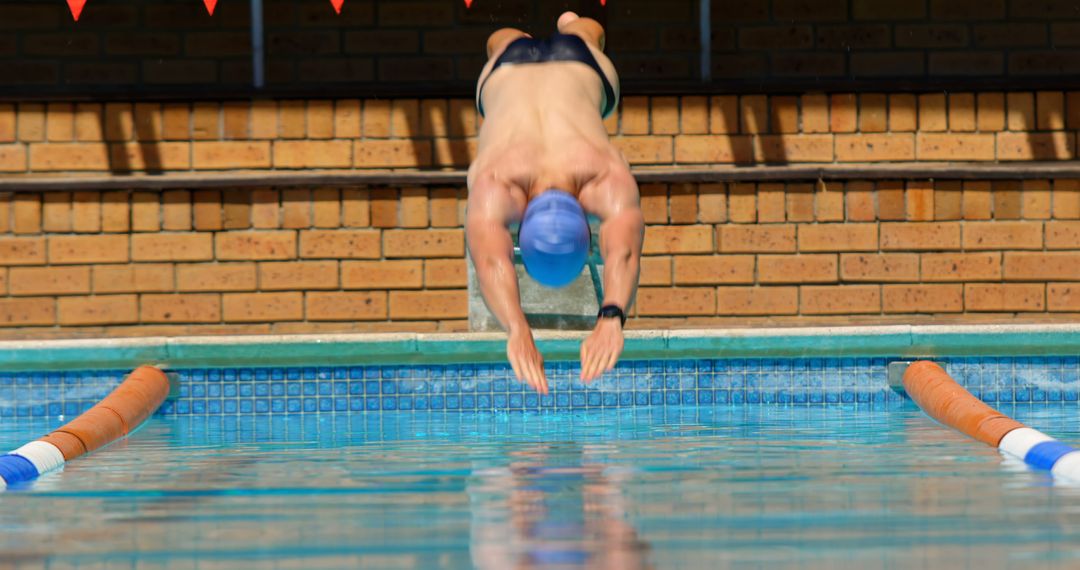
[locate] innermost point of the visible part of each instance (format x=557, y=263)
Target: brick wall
x=363, y=259
x=258, y=260
x=172, y=46
x=880, y=249
x=250, y=260
x=124, y=137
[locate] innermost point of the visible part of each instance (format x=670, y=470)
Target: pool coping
x=444, y=348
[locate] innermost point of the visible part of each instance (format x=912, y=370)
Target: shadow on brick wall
x=142, y=154
x=1041, y=124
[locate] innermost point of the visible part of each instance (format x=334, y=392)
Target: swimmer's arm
x=617, y=202
x=492, y=251
x=621, y=236
x=622, y=231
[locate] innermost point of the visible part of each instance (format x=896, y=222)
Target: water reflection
x=725, y=487
x=552, y=504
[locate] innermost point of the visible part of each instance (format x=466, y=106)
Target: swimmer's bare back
x=542, y=125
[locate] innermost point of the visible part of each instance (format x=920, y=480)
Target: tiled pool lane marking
x=114, y=417
x=351, y=349
x=472, y=387
x=816, y=381
x=943, y=399
x=308, y=374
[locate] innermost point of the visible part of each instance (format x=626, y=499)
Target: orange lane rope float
x=943, y=399
x=123, y=410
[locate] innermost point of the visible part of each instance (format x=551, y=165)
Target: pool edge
x=345, y=349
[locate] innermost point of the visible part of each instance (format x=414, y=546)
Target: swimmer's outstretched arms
x=544, y=160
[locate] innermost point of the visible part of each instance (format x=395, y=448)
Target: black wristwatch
x=610, y=312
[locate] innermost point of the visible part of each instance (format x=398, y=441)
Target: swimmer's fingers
x=536, y=374
x=534, y=366
x=541, y=377
x=535, y=370
x=613, y=359
x=590, y=360
x=601, y=350
x=584, y=359
x=519, y=370
x=596, y=363
x=586, y=354
x=522, y=353
x=617, y=344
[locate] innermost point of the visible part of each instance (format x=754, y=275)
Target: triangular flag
x=468, y=4
x=337, y=5
x=210, y=5
x=76, y=7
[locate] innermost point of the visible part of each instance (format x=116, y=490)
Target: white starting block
x=573, y=307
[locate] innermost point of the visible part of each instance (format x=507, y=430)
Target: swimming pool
x=761, y=460
x=666, y=486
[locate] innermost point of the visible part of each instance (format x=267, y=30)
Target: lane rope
x=116, y=415
x=943, y=399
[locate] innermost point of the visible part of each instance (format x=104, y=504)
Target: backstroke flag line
x=76, y=6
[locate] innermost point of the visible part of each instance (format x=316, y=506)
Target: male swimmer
x=544, y=159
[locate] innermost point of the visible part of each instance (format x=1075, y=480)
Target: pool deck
x=344, y=349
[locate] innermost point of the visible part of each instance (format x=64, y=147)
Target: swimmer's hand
x=602, y=349
x=526, y=360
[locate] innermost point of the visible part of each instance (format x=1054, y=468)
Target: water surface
x=724, y=487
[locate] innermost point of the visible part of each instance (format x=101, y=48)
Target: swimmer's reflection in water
x=552, y=507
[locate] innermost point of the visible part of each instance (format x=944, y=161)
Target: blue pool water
x=722, y=486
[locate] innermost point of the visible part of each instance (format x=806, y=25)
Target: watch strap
x=612, y=311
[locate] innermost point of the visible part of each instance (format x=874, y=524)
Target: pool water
x=662, y=487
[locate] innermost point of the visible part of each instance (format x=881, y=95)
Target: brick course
x=745, y=129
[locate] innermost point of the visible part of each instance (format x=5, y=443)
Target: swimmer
x=544, y=159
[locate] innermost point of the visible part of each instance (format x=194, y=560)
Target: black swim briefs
x=561, y=47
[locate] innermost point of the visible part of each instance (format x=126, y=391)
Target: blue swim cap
x=554, y=238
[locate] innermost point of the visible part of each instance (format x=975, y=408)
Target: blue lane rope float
x=943, y=399
x=15, y=468
x=123, y=410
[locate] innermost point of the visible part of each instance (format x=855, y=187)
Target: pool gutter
x=348, y=349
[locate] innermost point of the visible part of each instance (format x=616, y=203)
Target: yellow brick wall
x=389, y=259
x=290, y=135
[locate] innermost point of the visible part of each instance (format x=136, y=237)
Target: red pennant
x=76, y=7
x=468, y=4
x=210, y=5
x=337, y=5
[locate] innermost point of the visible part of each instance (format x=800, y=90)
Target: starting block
x=573, y=307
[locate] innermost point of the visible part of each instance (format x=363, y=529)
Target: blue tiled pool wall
x=783, y=381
